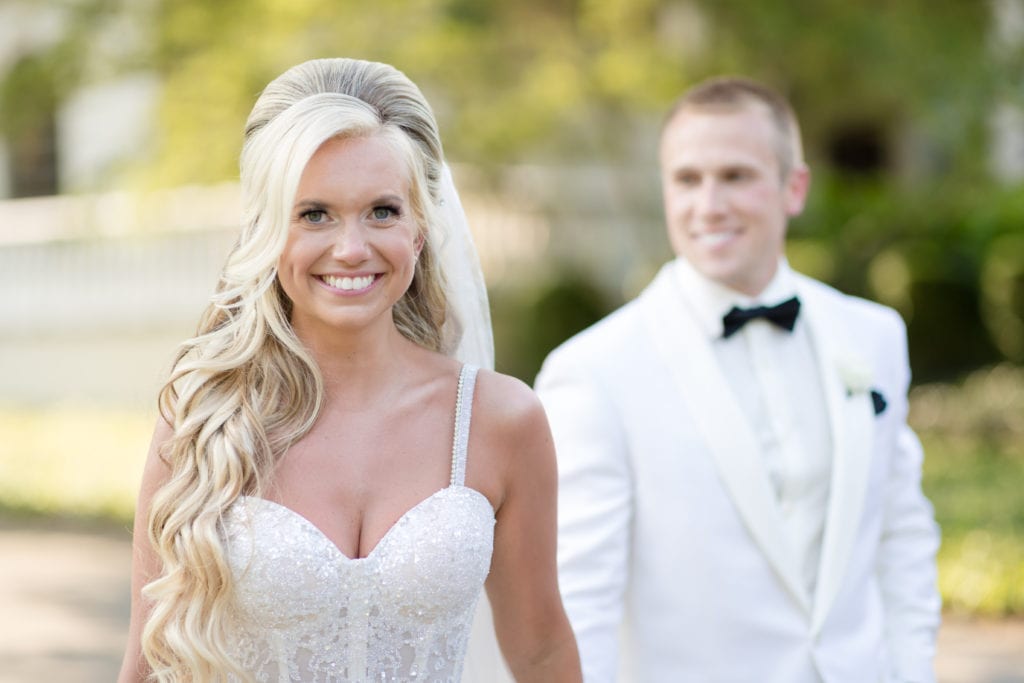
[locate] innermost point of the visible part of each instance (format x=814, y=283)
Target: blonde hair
x=731, y=93
x=245, y=388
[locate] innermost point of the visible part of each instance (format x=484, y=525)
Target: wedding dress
x=306, y=612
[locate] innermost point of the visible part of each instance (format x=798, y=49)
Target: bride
x=331, y=485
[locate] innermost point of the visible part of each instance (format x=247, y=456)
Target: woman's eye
x=383, y=213
x=315, y=216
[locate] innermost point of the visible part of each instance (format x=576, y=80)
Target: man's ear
x=797, y=185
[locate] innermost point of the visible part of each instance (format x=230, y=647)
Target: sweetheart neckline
x=370, y=555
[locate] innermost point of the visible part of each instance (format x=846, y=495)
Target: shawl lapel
x=686, y=351
x=852, y=426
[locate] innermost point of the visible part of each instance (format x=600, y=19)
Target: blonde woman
x=315, y=505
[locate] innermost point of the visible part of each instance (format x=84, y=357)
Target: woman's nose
x=351, y=244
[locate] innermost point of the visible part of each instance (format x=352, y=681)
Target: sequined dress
x=306, y=612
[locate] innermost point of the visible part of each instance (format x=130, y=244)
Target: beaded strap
x=463, y=413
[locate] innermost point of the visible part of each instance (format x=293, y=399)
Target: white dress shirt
x=773, y=374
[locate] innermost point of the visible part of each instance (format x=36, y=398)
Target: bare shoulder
x=507, y=405
x=510, y=435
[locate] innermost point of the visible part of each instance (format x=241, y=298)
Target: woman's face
x=352, y=239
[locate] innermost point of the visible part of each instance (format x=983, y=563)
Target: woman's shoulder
x=506, y=406
x=509, y=437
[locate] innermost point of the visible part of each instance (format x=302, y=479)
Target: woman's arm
x=145, y=565
x=533, y=631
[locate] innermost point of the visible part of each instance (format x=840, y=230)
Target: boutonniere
x=856, y=376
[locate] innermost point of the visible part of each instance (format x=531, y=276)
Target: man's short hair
x=731, y=93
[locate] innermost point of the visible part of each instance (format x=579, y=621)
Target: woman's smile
x=349, y=284
x=353, y=240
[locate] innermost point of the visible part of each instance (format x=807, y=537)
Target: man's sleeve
x=594, y=509
x=909, y=543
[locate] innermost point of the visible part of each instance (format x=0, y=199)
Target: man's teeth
x=349, y=283
x=715, y=238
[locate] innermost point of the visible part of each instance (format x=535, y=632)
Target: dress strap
x=463, y=413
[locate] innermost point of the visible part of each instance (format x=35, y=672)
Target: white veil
x=465, y=287
x=467, y=298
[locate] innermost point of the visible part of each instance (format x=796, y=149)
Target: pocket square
x=878, y=401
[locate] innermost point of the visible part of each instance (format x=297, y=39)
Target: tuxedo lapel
x=685, y=349
x=852, y=425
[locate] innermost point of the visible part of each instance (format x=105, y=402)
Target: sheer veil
x=468, y=334
x=470, y=327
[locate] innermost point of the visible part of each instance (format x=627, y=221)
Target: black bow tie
x=783, y=315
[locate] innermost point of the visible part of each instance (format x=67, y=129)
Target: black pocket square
x=878, y=401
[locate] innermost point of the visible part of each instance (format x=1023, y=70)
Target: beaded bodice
x=306, y=612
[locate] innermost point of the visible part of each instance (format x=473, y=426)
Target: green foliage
x=27, y=96
x=531, y=321
x=510, y=80
x=927, y=231
x=34, y=86
x=949, y=261
x=976, y=494
x=845, y=62
x=973, y=435
x=536, y=79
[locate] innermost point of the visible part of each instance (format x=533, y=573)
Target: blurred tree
x=896, y=101
x=870, y=64
x=28, y=111
x=541, y=80
x=511, y=81
x=536, y=319
x=32, y=87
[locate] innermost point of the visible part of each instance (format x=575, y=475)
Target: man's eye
x=739, y=175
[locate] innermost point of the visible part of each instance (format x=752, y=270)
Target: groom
x=739, y=492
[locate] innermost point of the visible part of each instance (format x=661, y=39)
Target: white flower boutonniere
x=856, y=375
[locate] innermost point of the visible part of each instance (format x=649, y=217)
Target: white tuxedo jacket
x=673, y=561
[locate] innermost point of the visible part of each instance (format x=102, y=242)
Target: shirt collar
x=711, y=300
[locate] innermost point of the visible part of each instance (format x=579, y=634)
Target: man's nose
x=710, y=198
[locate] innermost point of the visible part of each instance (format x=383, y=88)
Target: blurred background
x=120, y=127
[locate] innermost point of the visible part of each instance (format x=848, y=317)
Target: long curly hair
x=244, y=388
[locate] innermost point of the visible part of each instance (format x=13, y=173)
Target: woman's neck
x=361, y=369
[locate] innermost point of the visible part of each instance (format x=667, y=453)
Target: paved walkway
x=64, y=600
x=64, y=613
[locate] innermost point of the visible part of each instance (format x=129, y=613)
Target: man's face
x=726, y=202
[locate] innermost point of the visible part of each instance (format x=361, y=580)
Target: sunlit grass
x=978, y=494
x=973, y=434
x=72, y=461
